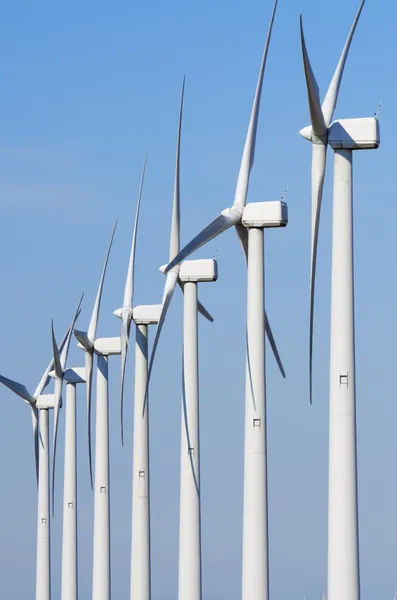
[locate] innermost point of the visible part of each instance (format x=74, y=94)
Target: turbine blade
x=18, y=388
x=57, y=407
x=272, y=342
x=45, y=379
x=169, y=288
x=176, y=211
x=331, y=96
x=57, y=360
x=216, y=227
x=95, y=313
x=65, y=349
x=316, y=113
x=125, y=332
x=204, y=312
x=242, y=233
x=318, y=175
x=89, y=360
x=35, y=424
x=248, y=157
x=82, y=338
x=129, y=284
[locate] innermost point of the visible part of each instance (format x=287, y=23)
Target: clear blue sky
x=87, y=87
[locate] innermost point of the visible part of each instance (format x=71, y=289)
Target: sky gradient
x=88, y=87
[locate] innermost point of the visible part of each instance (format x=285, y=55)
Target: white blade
x=82, y=338
x=126, y=315
x=129, y=284
x=169, y=289
x=216, y=227
x=89, y=360
x=204, y=312
x=242, y=233
x=316, y=114
x=247, y=160
x=318, y=173
x=57, y=360
x=331, y=97
x=95, y=313
x=176, y=212
x=57, y=405
x=125, y=333
x=65, y=350
x=35, y=424
x=18, y=388
x=45, y=379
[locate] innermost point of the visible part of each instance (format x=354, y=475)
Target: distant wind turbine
x=344, y=136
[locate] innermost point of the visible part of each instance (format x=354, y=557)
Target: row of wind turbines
x=249, y=221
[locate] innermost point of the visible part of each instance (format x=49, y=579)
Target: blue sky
x=87, y=88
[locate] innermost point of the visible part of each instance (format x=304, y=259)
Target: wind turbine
x=72, y=377
x=344, y=136
x=187, y=276
x=249, y=221
x=103, y=348
x=142, y=317
x=40, y=405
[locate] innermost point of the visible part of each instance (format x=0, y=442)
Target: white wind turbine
x=72, y=377
x=40, y=405
x=186, y=277
x=254, y=217
x=343, y=136
x=142, y=317
x=103, y=348
x=189, y=275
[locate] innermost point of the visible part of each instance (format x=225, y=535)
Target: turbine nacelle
x=199, y=270
x=108, y=346
x=354, y=134
x=147, y=314
x=265, y=214
x=45, y=401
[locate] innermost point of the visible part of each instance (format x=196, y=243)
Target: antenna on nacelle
x=377, y=114
x=283, y=197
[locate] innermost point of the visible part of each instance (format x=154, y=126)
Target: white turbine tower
x=103, y=348
x=249, y=221
x=72, y=377
x=142, y=317
x=40, y=405
x=344, y=136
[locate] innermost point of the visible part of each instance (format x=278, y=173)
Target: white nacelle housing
x=45, y=401
x=354, y=134
x=107, y=346
x=199, y=270
x=148, y=314
x=265, y=214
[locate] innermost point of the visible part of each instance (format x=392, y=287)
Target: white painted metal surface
x=140, y=585
x=265, y=214
x=43, y=573
x=189, y=586
x=199, y=270
x=69, y=533
x=343, y=558
x=101, y=584
x=255, y=575
x=354, y=134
